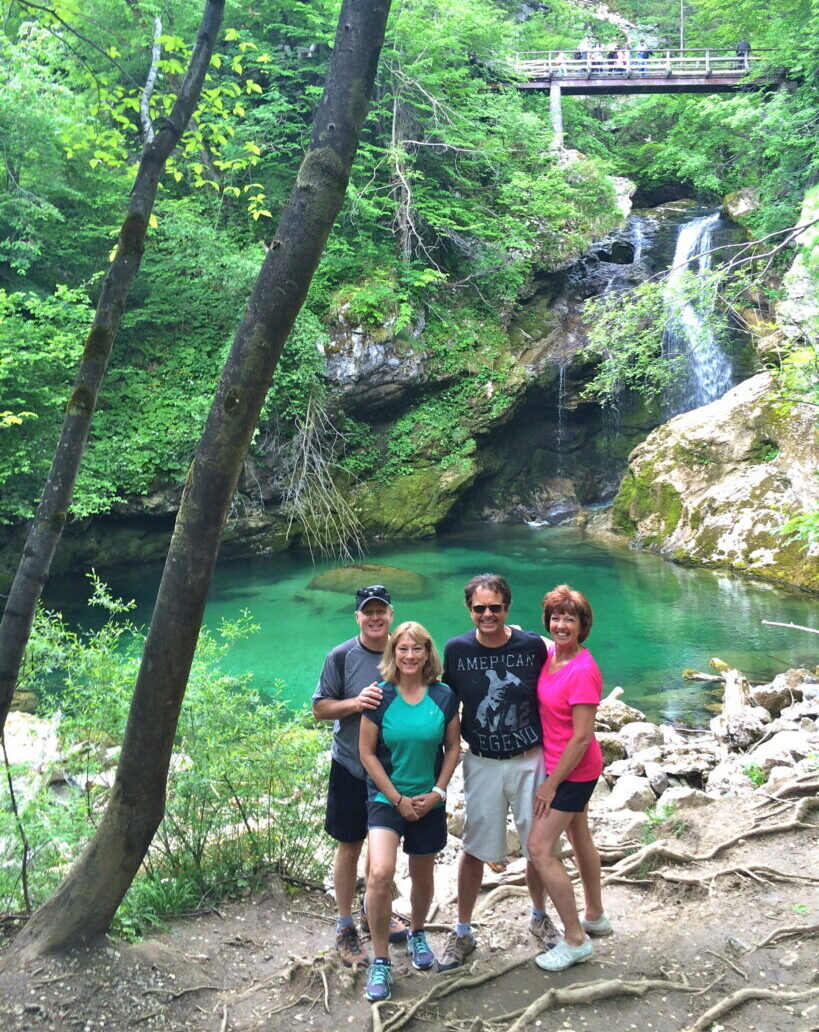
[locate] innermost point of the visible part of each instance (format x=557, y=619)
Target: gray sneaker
x=543, y=929
x=456, y=949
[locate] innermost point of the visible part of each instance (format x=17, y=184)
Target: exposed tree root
x=663, y=850
x=593, y=992
x=727, y=961
x=789, y=932
x=758, y=872
x=500, y=893
x=659, y=850
x=736, y=999
x=577, y=994
x=174, y=994
x=445, y=987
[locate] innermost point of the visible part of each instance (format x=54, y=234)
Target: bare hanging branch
x=312, y=497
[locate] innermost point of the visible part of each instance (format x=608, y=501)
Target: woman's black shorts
x=425, y=837
x=573, y=796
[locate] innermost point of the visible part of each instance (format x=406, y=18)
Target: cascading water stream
x=707, y=372
x=561, y=416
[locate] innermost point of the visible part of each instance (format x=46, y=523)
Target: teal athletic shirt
x=411, y=738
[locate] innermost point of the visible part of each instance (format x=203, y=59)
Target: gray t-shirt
x=347, y=671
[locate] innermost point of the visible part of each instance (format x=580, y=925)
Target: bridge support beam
x=556, y=114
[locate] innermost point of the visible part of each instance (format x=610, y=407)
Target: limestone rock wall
x=712, y=486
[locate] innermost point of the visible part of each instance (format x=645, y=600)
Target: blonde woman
x=409, y=746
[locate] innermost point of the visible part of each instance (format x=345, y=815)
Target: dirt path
x=264, y=963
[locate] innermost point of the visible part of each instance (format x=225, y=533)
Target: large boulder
x=611, y=747
x=631, y=792
x=640, y=735
x=746, y=726
x=613, y=714
x=684, y=797
x=31, y=741
x=712, y=486
x=741, y=203
x=784, y=749
x=783, y=691
x=730, y=778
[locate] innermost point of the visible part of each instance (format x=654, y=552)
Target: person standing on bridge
x=493, y=670
x=743, y=50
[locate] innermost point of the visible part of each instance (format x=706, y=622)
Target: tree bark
x=85, y=903
x=47, y=527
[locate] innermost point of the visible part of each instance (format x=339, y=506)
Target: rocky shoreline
x=762, y=744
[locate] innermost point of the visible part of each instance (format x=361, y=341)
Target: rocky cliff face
x=713, y=486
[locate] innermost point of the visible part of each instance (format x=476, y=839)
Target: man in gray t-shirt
x=348, y=685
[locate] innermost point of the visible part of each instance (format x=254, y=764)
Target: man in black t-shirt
x=493, y=671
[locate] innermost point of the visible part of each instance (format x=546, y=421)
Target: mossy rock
x=412, y=505
x=403, y=584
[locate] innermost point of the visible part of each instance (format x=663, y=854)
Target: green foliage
x=246, y=787
x=40, y=343
x=755, y=774
x=663, y=816
x=625, y=339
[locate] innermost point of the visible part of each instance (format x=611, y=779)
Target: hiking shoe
x=399, y=929
x=349, y=947
x=418, y=948
x=379, y=982
x=456, y=949
x=602, y=926
x=543, y=929
x=564, y=956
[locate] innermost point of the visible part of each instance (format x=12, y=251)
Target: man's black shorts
x=346, y=819
x=425, y=837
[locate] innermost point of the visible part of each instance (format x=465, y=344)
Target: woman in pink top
x=569, y=690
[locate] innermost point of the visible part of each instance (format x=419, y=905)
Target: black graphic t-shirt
x=498, y=690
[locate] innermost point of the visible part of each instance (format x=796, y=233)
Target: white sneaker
x=602, y=926
x=564, y=956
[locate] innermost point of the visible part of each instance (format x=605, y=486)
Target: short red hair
x=564, y=599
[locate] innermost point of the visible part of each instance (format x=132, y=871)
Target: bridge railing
x=556, y=64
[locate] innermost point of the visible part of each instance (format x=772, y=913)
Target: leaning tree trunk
x=85, y=903
x=46, y=530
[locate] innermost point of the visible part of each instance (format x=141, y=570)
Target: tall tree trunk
x=46, y=530
x=85, y=903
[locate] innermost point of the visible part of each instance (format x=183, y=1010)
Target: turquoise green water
x=651, y=619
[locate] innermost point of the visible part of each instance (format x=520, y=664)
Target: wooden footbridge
x=633, y=71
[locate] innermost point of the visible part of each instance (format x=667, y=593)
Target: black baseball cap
x=375, y=592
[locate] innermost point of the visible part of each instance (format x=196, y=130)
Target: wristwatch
x=439, y=791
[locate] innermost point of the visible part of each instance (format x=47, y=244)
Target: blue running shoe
x=379, y=981
x=418, y=948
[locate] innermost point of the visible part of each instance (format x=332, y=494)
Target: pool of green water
x=652, y=619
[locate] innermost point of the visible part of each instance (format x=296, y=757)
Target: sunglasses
x=495, y=607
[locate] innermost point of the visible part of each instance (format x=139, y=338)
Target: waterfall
x=561, y=415
x=707, y=375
